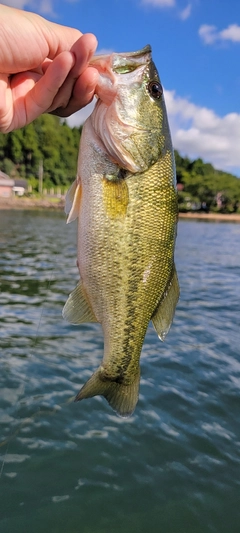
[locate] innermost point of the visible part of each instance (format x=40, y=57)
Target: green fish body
x=126, y=203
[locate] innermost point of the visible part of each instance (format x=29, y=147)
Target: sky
x=196, y=48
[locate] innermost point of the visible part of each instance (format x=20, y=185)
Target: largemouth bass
x=126, y=203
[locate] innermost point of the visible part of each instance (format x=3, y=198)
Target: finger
x=67, y=100
x=83, y=50
x=59, y=38
x=5, y=103
x=64, y=104
x=82, y=94
x=42, y=95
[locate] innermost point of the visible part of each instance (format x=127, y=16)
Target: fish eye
x=155, y=89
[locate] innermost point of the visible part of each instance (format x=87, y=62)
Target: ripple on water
x=174, y=464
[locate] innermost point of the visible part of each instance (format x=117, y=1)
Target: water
x=173, y=467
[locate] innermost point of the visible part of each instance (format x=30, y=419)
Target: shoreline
x=32, y=203
x=218, y=217
x=55, y=203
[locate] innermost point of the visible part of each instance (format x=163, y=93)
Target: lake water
x=174, y=466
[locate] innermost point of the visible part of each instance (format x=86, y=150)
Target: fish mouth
x=112, y=66
x=122, y=63
x=127, y=62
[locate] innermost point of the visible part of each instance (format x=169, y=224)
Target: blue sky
x=196, y=48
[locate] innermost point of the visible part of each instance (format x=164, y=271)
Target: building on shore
x=6, y=185
x=10, y=187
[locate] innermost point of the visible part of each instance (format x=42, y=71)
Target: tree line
x=47, y=141
x=202, y=187
x=51, y=142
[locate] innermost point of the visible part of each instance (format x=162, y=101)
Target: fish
x=125, y=199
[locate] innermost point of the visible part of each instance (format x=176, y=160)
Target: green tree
x=3, y=142
x=14, y=146
x=30, y=147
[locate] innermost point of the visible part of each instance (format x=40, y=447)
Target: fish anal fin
x=163, y=315
x=72, y=201
x=77, y=309
x=122, y=398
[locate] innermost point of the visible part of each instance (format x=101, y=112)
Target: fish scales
x=126, y=235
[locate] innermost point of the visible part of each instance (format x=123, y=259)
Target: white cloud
x=231, y=33
x=160, y=3
x=79, y=118
x=45, y=7
x=210, y=34
x=200, y=132
x=185, y=13
x=196, y=132
x=20, y=4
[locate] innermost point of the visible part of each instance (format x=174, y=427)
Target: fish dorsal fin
x=77, y=309
x=164, y=313
x=72, y=201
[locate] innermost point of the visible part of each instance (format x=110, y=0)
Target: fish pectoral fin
x=163, y=315
x=122, y=398
x=77, y=309
x=72, y=201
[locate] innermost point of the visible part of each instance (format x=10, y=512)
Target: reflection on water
x=174, y=466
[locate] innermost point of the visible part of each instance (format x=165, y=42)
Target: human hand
x=44, y=67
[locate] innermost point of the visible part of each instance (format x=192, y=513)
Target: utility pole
x=40, y=177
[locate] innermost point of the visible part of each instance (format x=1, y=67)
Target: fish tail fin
x=122, y=398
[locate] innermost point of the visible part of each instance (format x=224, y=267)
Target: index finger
x=83, y=49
